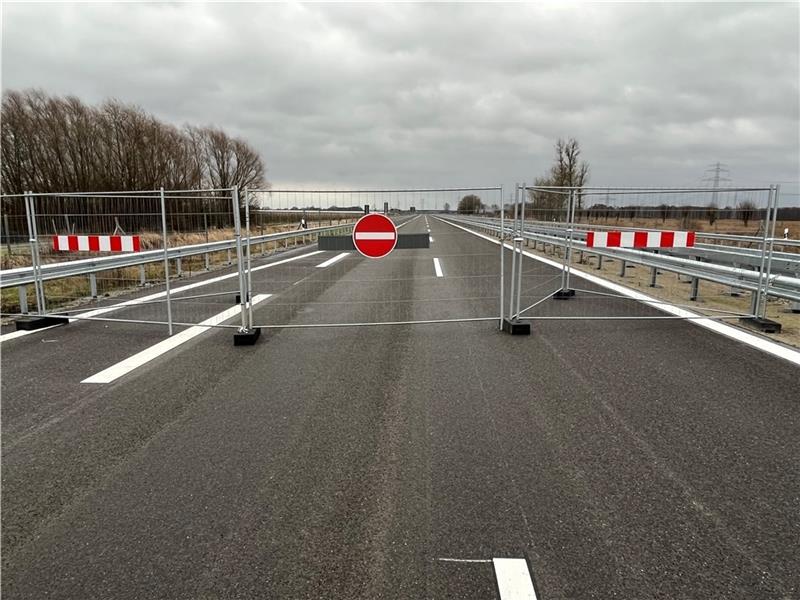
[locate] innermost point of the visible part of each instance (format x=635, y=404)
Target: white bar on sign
x=63, y=242
x=679, y=241
x=83, y=243
x=513, y=579
x=626, y=239
x=653, y=239
x=600, y=239
x=375, y=235
x=127, y=243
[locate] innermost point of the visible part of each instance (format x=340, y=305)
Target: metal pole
x=166, y=258
x=237, y=226
x=776, y=195
x=757, y=299
x=249, y=276
x=521, y=232
x=41, y=307
x=513, y=257
x=502, y=253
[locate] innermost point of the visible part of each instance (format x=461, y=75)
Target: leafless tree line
x=60, y=144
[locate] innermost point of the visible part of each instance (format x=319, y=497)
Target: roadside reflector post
x=93, y=285
x=178, y=269
x=208, y=265
x=142, y=275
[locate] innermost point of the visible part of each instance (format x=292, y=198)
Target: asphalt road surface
x=618, y=459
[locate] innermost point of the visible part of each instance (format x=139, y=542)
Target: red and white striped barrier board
x=96, y=243
x=640, y=239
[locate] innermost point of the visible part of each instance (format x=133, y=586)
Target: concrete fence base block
x=516, y=327
x=765, y=325
x=33, y=323
x=564, y=294
x=246, y=337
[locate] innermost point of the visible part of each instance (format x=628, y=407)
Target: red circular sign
x=374, y=235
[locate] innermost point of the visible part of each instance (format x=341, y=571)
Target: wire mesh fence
x=443, y=277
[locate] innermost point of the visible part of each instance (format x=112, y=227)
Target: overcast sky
x=420, y=95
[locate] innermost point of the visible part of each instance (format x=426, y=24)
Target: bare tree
x=567, y=171
x=747, y=210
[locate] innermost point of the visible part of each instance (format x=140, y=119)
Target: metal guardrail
x=10, y=278
x=780, y=286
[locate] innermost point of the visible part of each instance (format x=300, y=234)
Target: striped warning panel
x=640, y=239
x=96, y=243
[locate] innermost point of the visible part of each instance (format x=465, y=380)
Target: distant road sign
x=374, y=235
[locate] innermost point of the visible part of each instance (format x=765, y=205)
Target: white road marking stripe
x=431, y=238
x=124, y=367
x=729, y=331
x=107, y=309
x=374, y=235
x=330, y=261
x=466, y=560
x=438, y=267
x=513, y=579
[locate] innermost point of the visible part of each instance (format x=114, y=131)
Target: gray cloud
x=440, y=94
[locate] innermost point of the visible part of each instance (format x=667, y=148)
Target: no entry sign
x=374, y=235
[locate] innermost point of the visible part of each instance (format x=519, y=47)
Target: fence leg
x=166, y=259
x=93, y=285
x=23, y=299
x=246, y=336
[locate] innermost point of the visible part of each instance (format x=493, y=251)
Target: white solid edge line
x=124, y=367
x=330, y=261
x=107, y=309
x=430, y=237
x=513, y=579
x=438, y=267
x=724, y=329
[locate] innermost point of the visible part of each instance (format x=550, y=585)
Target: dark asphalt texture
x=623, y=459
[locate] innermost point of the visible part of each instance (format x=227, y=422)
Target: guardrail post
x=23, y=299
x=93, y=285
x=693, y=294
x=622, y=266
x=653, y=277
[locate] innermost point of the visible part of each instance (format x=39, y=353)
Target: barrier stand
x=40, y=320
x=166, y=259
x=512, y=324
x=566, y=292
x=759, y=319
x=246, y=336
